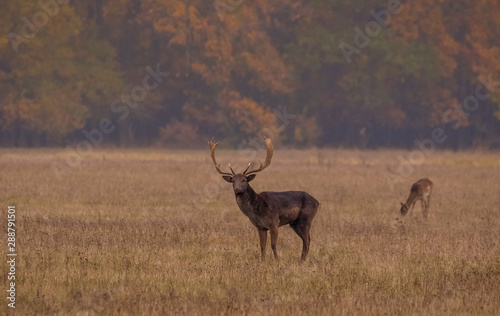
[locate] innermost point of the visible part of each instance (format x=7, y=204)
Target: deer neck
x=410, y=199
x=248, y=201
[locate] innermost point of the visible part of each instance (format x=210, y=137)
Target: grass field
x=156, y=232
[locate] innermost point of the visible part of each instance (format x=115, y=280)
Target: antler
x=269, y=156
x=217, y=166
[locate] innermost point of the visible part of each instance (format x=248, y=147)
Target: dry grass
x=132, y=232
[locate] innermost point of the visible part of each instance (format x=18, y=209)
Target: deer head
x=240, y=180
x=404, y=209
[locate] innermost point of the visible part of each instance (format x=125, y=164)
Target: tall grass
x=156, y=232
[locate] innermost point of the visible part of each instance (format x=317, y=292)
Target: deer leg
x=412, y=206
x=302, y=229
x=306, y=240
x=297, y=229
x=427, y=204
x=274, y=240
x=263, y=240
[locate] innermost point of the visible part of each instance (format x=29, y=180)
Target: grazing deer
x=270, y=210
x=420, y=190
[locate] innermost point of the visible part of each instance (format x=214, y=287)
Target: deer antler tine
x=244, y=172
x=212, y=144
x=231, y=169
x=212, y=154
x=269, y=156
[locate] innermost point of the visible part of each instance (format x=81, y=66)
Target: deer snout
x=239, y=187
x=404, y=209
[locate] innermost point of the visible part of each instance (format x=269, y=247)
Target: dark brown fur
x=270, y=210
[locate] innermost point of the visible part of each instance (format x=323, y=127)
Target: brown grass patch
x=132, y=232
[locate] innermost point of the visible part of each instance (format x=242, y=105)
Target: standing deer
x=420, y=190
x=270, y=210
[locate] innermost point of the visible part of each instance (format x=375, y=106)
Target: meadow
x=157, y=232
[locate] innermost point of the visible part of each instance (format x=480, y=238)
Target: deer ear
x=228, y=178
x=251, y=177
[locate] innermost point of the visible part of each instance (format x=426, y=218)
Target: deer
x=268, y=211
x=420, y=190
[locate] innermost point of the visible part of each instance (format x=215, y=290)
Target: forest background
x=174, y=73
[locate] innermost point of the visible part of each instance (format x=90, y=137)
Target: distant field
x=156, y=232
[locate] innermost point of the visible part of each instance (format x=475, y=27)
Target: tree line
x=174, y=73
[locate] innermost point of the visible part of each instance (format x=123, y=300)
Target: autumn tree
x=353, y=73
x=53, y=74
